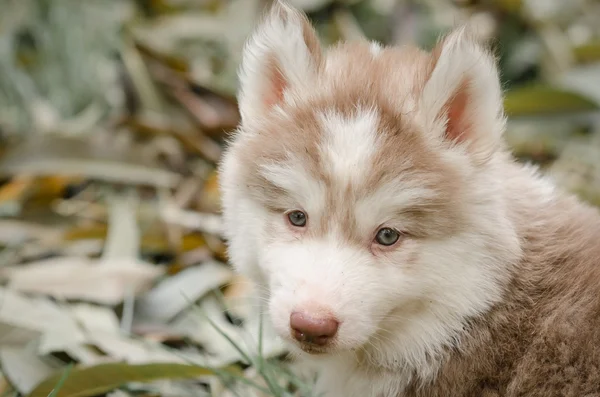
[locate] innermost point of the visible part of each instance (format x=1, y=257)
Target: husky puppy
x=399, y=246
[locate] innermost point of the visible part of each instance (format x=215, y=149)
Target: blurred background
x=114, y=277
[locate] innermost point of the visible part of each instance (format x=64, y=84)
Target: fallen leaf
x=39, y=314
x=122, y=239
x=584, y=80
x=169, y=388
x=51, y=188
x=118, y=393
x=543, y=100
x=16, y=336
x=120, y=347
x=92, y=381
x=86, y=354
x=15, y=231
x=205, y=222
x=5, y=386
x=101, y=281
x=588, y=53
x=512, y=6
x=94, y=318
x=86, y=232
x=23, y=368
x=50, y=155
x=85, y=247
x=14, y=193
x=209, y=198
x=174, y=294
x=577, y=170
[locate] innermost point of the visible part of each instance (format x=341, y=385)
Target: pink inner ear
x=276, y=85
x=459, y=125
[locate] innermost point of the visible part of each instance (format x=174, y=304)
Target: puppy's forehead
x=353, y=141
x=348, y=144
x=363, y=106
x=354, y=109
x=395, y=74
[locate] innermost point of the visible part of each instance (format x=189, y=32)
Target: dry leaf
x=14, y=193
x=122, y=239
x=39, y=314
x=94, y=318
x=205, y=222
x=23, y=368
x=93, y=381
x=18, y=231
x=101, y=281
x=14, y=336
x=57, y=155
x=120, y=347
x=174, y=294
x=544, y=100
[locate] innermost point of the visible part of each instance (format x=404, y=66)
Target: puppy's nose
x=313, y=329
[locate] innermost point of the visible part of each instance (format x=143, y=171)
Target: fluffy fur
x=493, y=287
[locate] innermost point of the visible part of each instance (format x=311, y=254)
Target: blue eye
x=386, y=236
x=297, y=218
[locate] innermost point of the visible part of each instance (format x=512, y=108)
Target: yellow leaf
x=512, y=6
x=587, y=53
x=99, y=379
x=541, y=100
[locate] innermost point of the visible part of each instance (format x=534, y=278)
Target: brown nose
x=315, y=330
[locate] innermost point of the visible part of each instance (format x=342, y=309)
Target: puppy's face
x=354, y=189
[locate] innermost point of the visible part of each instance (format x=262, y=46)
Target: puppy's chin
x=305, y=348
x=301, y=349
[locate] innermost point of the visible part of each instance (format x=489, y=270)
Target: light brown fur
x=543, y=340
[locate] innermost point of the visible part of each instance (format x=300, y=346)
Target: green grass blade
x=61, y=381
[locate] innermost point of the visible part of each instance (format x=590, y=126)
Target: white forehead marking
x=349, y=144
x=375, y=48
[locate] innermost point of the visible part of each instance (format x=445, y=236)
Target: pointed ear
x=462, y=97
x=282, y=53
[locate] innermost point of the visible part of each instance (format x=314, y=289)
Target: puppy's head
x=361, y=190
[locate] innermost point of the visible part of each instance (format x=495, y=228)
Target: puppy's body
x=369, y=188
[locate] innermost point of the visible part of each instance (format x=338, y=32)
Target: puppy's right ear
x=282, y=53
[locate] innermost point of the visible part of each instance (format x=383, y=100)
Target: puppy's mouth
x=313, y=349
x=313, y=346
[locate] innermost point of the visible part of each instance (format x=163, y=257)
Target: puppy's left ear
x=462, y=99
x=283, y=54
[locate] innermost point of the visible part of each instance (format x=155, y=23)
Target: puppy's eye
x=386, y=236
x=297, y=218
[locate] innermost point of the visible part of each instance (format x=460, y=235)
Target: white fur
x=240, y=217
x=283, y=43
x=378, y=207
x=349, y=144
x=375, y=48
x=299, y=183
x=398, y=317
